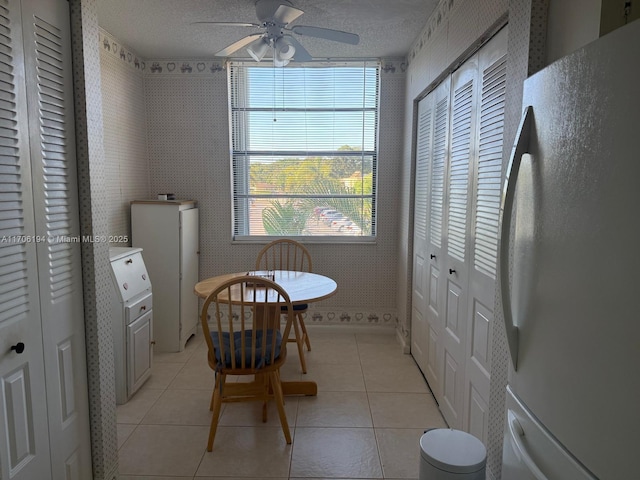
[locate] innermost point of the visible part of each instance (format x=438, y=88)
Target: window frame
x=243, y=194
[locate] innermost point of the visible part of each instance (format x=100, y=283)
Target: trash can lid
x=453, y=451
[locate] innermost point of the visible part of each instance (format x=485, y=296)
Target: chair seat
x=296, y=308
x=262, y=358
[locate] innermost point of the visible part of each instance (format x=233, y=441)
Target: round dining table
x=302, y=287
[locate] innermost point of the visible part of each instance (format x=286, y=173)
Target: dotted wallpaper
x=125, y=133
x=189, y=155
x=93, y=221
x=525, y=55
x=454, y=29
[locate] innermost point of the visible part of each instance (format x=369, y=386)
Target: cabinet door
x=155, y=229
x=48, y=73
x=189, y=257
x=139, y=352
x=24, y=448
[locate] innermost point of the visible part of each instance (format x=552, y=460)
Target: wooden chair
x=287, y=254
x=245, y=339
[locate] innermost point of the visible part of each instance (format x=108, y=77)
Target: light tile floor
x=372, y=407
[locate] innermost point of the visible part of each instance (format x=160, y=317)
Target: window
x=304, y=150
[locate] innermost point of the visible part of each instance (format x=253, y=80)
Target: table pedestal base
x=299, y=388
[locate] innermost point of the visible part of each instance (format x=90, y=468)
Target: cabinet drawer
x=137, y=308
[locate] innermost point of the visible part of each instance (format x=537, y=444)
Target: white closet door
x=419, y=325
x=24, y=449
x=457, y=195
x=485, y=212
x=435, y=238
x=49, y=82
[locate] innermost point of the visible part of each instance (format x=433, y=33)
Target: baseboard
x=351, y=328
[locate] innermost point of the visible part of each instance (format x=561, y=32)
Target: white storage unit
x=167, y=231
x=131, y=301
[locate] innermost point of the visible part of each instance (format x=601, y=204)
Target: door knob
x=18, y=347
x=432, y=256
x=451, y=271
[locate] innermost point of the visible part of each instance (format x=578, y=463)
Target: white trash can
x=447, y=454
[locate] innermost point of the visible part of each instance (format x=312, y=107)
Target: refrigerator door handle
x=516, y=433
x=520, y=147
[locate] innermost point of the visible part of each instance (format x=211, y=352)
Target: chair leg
x=279, y=397
x=303, y=327
x=299, y=343
x=266, y=382
x=217, y=403
x=213, y=393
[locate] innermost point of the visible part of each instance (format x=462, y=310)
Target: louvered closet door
x=456, y=253
x=484, y=212
x=24, y=448
x=436, y=213
x=419, y=325
x=50, y=102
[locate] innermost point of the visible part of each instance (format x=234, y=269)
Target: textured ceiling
x=161, y=28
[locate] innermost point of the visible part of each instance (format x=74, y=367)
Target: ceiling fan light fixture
x=275, y=17
x=284, y=49
x=279, y=61
x=258, y=49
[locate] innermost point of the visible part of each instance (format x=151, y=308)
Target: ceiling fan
x=274, y=18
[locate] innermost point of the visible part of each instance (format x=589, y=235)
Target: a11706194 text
x=21, y=239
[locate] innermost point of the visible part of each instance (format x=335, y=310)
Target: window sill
x=316, y=239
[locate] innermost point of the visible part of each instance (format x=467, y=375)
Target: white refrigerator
x=570, y=268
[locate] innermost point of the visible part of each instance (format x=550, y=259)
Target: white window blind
x=304, y=149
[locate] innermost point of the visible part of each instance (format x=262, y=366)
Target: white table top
x=302, y=287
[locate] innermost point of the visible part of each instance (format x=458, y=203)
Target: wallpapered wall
x=188, y=129
x=125, y=133
x=167, y=130
x=455, y=28
x=96, y=275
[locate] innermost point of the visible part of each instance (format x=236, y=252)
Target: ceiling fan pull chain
x=274, y=94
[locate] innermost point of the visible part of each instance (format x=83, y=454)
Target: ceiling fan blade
x=243, y=42
x=286, y=14
x=326, y=33
x=301, y=54
x=227, y=24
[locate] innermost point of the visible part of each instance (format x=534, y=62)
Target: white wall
x=188, y=138
x=125, y=133
x=571, y=25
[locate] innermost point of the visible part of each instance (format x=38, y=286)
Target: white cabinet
x=132, y=314
x=168, y=232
